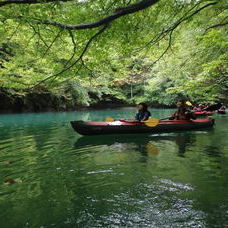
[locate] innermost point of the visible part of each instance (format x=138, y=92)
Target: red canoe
x=124, y=127
x=204, y=113
x=221, y=111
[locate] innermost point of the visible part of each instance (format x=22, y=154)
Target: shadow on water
x=144, y=143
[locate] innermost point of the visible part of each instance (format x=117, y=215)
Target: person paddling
x=223, y=108
x=143, y=113
x=182, y=113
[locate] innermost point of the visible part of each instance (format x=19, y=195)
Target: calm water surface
x=67, y=180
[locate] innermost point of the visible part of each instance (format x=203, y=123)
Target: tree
x=49, y=43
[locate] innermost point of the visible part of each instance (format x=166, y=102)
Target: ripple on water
x=154, y=209
x=100, y=171
x=74, y=181
x=180, y=186
x=5, y=143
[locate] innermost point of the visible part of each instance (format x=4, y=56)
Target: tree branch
x=67, y=80
x=37, y=32
x=217, y=25
x=119, y=12
x=14, y=32
x=53, y=41
x=167, y=31
x=7, y=2
x=74, y=48
x=76, y=61
x=92, y=74
x=167, y=48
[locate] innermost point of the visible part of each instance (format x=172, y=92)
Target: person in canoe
x=182, y=113
x=222, y=110
x=198, y=108
x=143, y=113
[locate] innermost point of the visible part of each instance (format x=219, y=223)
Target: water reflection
x=145, y=144
x=174, y=179
x=183, y=141
x=213, y=151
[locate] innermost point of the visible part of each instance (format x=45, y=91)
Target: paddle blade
x=151, y=149
x=188, y=103
x=151, y=122
x=109, y=119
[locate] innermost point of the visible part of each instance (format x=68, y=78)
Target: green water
x=66, y=180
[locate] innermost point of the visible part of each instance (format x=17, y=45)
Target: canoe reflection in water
x=145, y=144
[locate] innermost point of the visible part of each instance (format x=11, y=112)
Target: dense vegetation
x=130, y=51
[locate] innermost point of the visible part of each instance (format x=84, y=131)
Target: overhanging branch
x=167, y=48
x=8, y=2
x=170, y=30
x=77, y=60
x=74, y=48
x=119, y=12
x=216, y=26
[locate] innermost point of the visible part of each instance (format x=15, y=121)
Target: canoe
x=221, y=111
x=203, y=113
x=125, y=127
x=213, y=107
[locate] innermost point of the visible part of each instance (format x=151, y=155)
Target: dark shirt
x=142, y=116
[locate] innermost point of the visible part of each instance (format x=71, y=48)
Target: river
x=63, y=179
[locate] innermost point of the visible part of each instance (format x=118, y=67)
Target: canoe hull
x=119, y=127
x=221, y=112
x=203, y=113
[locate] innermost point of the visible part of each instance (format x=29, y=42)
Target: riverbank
x=43, y=100
x=25, y=101
x=17, y=101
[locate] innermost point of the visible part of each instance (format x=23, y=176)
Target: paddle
x=109, y=119
x=188, y=103
x=152, y=122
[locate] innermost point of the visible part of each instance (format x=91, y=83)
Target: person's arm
x=190, y=115
x=173, y=116
x=146, y=116
x=193, y=115
x=137, y=116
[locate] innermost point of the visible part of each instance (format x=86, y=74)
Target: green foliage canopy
x=172, y=48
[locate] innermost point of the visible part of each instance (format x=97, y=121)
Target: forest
x=65, y=54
